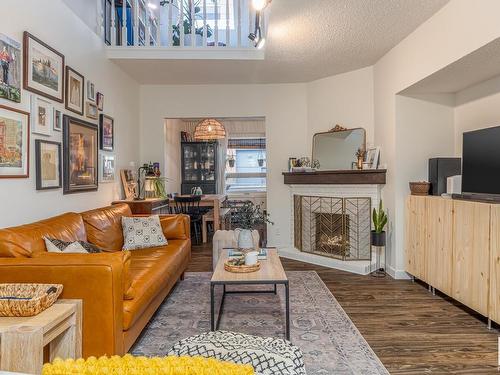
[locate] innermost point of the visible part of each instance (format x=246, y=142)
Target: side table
x=22, y=339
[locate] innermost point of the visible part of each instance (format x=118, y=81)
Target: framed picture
x=108, y=10
x=80, y=155
x=74, y=91
x=106, y=132
x=90, y=91
x=100, y=101
x=41, y=115
x=373, y=157
x=10, y=61
x=14, y=143
x=107, y=168
x=43, y=69
x=92, y=111
x=57, y=121
x=48, y=164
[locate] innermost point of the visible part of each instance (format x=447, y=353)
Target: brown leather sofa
x=120, y=289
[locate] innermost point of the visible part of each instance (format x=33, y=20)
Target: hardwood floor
x=412, y=331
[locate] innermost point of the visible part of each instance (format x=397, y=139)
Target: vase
x=245, y=239
x=377, y=239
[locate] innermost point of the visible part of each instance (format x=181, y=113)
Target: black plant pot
x=231, y=163
x=261, y=162
x=377, y=239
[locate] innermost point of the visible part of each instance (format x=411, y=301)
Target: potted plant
x=260, y=159
x=188, y=23
x=247, y=217
x=379, y=217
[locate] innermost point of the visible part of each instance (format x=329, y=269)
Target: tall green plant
x=379, y=218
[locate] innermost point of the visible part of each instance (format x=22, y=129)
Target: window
x=246, y=165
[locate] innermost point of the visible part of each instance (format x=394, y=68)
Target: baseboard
x=398, y=274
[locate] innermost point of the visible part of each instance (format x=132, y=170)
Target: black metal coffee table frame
x=214, y=323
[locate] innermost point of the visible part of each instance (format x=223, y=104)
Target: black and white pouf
x=268, y=356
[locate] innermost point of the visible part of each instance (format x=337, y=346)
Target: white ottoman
x=267, y=355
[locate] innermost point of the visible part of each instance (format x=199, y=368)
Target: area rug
x=330, y=342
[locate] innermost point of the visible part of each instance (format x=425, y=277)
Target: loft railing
x=177, y=23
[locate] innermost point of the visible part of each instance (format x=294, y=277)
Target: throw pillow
x=142, y=232
x=58, y=246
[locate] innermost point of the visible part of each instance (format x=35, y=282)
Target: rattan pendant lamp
x=209, y=130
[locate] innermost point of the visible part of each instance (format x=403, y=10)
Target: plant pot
x=245, y=239
x=261, y=162
x=231, y=163
x=377, y=239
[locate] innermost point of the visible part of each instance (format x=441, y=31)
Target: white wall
x=458, y=29
x=285, y=111
x=477, y=107
x=57, y=25
x=345, y=99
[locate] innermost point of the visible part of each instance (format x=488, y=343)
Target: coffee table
x=271, y=272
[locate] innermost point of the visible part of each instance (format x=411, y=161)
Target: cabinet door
x=494, y=308
x=439, y=244
x=471, y=254
x=415, y=236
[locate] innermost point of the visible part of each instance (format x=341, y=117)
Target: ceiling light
x=258, y=5
x=152, y=5
x=209, y=129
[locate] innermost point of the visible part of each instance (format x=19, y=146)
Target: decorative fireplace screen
x=333, y=227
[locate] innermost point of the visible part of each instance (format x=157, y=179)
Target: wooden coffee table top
x=271, y=269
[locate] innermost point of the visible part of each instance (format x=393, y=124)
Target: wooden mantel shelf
x=343, y=177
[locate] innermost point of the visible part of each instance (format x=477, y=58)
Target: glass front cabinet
x=199, y=166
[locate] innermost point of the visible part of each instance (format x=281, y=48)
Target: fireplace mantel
x=341, y=177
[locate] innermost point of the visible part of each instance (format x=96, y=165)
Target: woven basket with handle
x=27, y=299
x=420, y=188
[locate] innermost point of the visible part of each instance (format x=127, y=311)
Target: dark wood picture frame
x=102, y=146
x=82, y=90
x=28, y=131
x=38, y=162
x=67, y=189
x=27, y=59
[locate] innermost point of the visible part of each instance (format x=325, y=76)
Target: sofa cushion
x=142, y=232
x=27, y=240
x=104, y=226
x=152, y=270
x=175, y=227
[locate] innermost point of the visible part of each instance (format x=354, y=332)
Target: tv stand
x=484, y=198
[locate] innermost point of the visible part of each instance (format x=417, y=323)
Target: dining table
x=209, y=200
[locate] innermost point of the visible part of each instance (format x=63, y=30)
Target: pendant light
x=209, y=130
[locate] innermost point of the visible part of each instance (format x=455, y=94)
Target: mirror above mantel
x=336, y=149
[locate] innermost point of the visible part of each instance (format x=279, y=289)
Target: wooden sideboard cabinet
x=454, y=246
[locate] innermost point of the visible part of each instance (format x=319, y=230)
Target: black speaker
x=439, y=170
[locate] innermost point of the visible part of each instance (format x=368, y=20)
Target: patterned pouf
x=268, y=356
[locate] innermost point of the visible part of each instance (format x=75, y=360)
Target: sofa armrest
x=96, y=279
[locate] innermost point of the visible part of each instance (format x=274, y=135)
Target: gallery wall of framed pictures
x=73, y=139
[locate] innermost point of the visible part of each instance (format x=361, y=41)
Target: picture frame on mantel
x=373, y=157
x=43, y=68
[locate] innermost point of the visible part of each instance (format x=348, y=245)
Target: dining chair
x=190, y=205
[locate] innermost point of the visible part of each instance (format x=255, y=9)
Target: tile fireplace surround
x=371, y=191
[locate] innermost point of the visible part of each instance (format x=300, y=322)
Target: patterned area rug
x=330, y=342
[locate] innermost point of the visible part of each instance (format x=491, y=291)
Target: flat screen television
x=481, y=162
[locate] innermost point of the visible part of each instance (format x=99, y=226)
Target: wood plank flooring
x=412, y=331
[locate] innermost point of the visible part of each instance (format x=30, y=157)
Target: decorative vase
x=360, y=162
x=245, y=239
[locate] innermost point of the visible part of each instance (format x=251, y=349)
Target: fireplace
x=333, y=227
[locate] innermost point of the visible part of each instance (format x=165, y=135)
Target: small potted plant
x=231, y=160
x=247, y=217
x=379, y=217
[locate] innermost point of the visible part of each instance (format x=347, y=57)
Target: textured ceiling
x=307, y=40
x=481, y=65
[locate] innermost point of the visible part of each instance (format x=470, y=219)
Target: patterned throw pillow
x=142, y=232
x=54, y=245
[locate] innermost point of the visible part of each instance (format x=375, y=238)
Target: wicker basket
x=420, y=188
x=27, y=299
x=241, y=269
